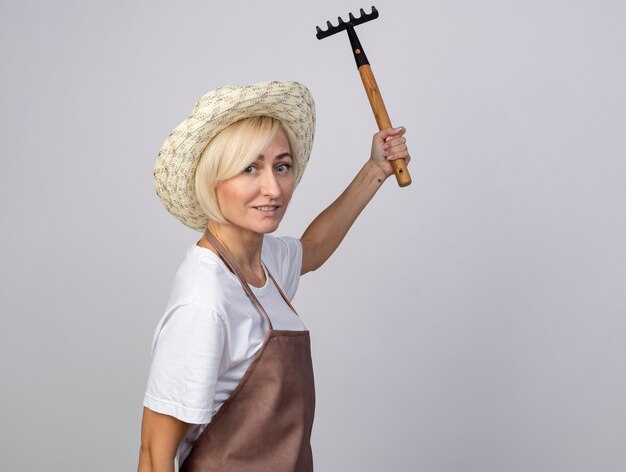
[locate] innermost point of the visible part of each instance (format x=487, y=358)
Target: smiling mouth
x=266, y=208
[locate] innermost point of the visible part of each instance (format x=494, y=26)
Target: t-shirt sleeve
x=187, y=360
x=285, y=262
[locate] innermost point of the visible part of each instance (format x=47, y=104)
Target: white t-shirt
x=211, y=331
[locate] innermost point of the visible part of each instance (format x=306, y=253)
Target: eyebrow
x=280, y=156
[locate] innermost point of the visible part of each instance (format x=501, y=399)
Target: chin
x=268, y=229
x=259, y=225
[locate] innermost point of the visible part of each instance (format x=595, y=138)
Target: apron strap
x=281, y=291
x=229, y=261
x=224, y=253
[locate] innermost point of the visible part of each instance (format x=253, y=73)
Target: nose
x=269, y=185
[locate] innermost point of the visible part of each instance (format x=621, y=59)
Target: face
x=257, y=198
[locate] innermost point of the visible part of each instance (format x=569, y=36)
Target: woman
x=231, y=381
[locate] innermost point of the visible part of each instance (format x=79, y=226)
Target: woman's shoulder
x=283, y=258
x=278, y=249
x=201, y=279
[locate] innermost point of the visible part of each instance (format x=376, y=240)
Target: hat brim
x=289, y=102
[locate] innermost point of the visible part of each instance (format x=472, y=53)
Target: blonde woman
x=231, y=382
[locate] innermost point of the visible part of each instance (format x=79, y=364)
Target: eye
x=249, y=170
x=283, y=167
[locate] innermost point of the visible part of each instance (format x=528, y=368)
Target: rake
x=369, y=82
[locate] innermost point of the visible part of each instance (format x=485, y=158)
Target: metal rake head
x=343, y=25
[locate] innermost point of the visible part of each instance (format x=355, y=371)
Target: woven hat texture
x=289, y=102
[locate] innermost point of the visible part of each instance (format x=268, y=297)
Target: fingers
x=400, y=153
x=384, y=134
x=394, y=144
x=388, y=135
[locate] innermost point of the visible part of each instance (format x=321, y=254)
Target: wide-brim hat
x=289, y=102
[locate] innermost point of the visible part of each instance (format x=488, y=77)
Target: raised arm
x=327, y=231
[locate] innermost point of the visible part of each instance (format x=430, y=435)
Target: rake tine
x=343, y=25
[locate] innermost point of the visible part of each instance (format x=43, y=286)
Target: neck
x=243, y=245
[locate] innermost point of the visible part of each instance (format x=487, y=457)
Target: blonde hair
x=229, y=153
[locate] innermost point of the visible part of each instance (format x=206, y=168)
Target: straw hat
x=289, y=102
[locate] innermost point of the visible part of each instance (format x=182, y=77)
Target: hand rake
x=369, y=82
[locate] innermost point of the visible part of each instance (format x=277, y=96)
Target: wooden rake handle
x=382, y=119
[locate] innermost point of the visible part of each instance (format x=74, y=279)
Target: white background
x=473, y=321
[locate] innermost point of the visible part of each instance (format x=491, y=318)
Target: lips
x=268, y=210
